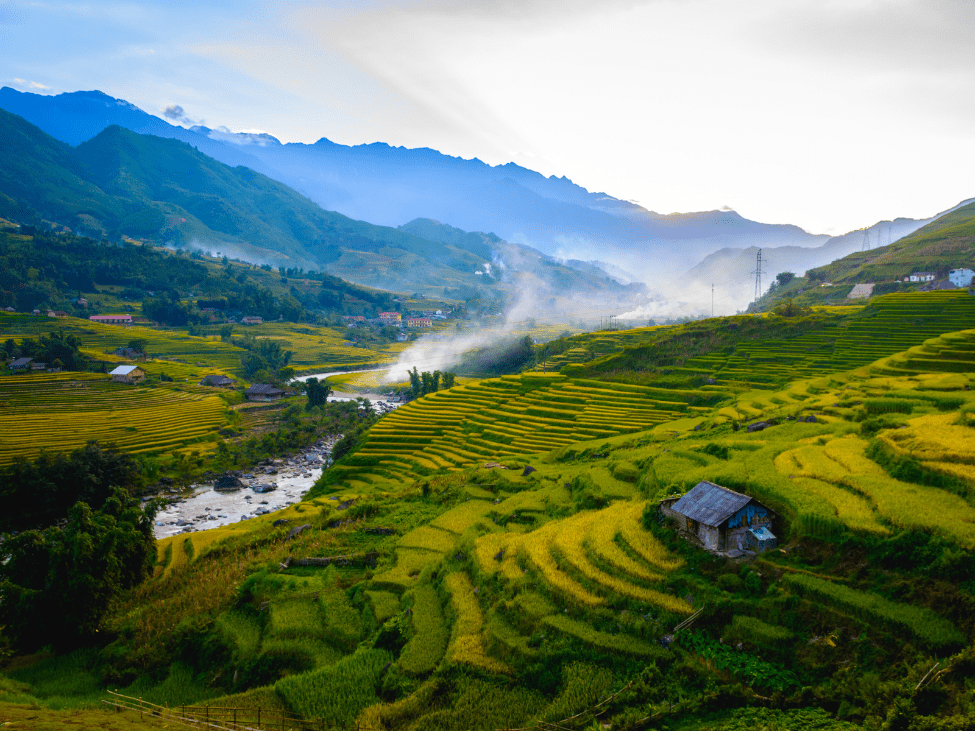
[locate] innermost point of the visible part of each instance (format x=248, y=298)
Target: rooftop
x=710, y=504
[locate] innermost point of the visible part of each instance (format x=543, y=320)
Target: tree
x=783, y=278
x=448, y=379
x=318, y=392
x=139, y=344
x=56, y=584
x=416, y=383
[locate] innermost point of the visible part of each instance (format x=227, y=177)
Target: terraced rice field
x=318, y=349
x=100, y=339
x=590, y=559
x=893, y=323
x=500, y=417
x=59, y=412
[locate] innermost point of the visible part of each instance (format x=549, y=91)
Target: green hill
x=947, y=243
x=944, y=244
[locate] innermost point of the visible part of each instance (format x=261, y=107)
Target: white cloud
x=34, y=85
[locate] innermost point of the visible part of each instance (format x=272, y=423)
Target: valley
x=360, y=436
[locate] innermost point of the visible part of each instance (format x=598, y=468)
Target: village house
x=128, y=374
x=59, y=314
x=263, y=392
x=390, y=318
x=961, y=277
x=419, y=322
x=80, y=302
x=217, y=381
x=35, y=366
x=921, y=277
x=937, y=286
x=724, y=521
x=9, y=309
x=111, y=319
x=21, y=364
x=252, y=320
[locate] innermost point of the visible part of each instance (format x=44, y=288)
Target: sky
x=827, y=114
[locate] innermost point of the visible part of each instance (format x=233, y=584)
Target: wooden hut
x=722, y=519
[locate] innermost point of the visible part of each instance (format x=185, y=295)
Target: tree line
x=73, y=538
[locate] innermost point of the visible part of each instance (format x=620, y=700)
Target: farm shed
x=722, y=519
x=128, y=374
x=263, y=392
x=21, y=364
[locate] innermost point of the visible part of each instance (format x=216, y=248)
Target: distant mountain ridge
x=393, y=185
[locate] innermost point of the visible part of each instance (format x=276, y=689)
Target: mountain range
x=121, y=182
x=393, y=185
x=600, y=236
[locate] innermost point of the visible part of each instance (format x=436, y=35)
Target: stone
x=298, y=530
x=227, y=482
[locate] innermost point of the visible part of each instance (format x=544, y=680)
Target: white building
x=961, y=277
x=922, y=277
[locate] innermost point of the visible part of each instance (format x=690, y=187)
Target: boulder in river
x=227, y=483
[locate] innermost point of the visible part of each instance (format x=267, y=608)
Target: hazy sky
x=830, y=114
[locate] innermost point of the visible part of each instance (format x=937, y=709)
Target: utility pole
x=712, y=299
x=866, y=240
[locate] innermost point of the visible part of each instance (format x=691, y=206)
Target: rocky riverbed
x=240, y=495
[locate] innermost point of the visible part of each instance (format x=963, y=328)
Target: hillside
x=493, y=555
x=946, y=243
x=739, y=264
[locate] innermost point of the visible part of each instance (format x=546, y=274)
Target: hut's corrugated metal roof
x=123, y=370
x=710, y=504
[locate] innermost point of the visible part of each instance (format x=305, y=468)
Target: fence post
x=208, y=715
x=258, y=716
x=140, y=707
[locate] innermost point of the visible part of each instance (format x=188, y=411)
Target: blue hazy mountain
x=394, y=185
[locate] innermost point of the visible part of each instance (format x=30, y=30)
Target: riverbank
x=263, y=489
